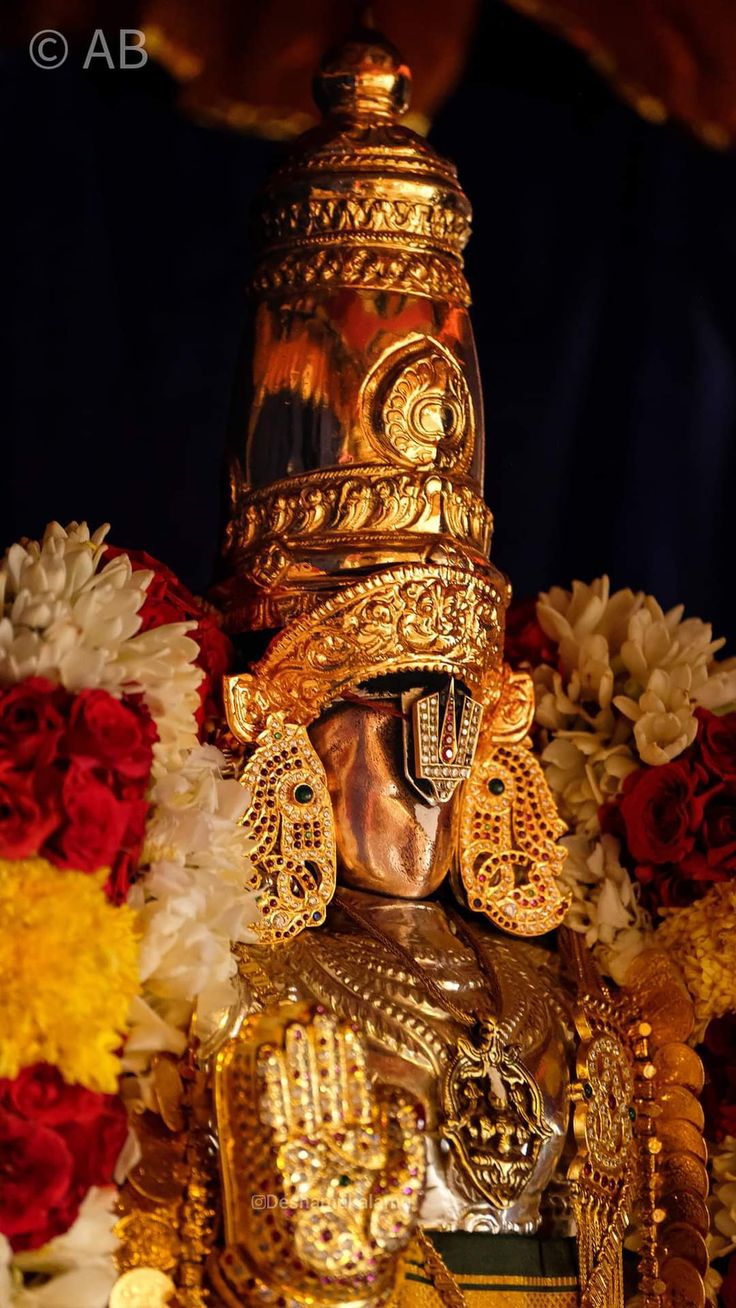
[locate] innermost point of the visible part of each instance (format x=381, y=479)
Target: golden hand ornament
x=332, y=1173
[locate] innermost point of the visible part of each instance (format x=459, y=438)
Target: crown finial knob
x=363, y=77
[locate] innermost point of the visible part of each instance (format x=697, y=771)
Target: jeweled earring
x=508, y=827
x=290, y=820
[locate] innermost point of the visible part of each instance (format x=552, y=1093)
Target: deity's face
x=390, y=840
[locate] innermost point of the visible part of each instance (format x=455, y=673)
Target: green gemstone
x=344, y=1180
x=496, y=786
x=303, y=794
x=632, y=1114
x=588, y=1090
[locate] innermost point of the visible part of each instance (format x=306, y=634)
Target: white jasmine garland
x=629, y=681
x=67, y=615
x=605, y=906
x=194, y=903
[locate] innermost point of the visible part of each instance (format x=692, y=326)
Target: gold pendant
x=494, y=1114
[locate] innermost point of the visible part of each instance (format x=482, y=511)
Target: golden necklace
x=493, y=1109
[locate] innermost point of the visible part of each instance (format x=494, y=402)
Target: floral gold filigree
x=369, y=503
x=416, y=407
x=290, y=822
x=508, y=850
x=435, y=617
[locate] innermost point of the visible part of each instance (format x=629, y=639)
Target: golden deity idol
x=426, y=1095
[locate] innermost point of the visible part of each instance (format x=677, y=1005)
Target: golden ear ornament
x=290, y=821
x=508, y=828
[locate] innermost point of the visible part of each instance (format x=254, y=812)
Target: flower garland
x=636, y=736
x=122, y=863
x=122, y=859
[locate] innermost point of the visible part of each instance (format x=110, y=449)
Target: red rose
x=95, y=821
x=656, y=805
x=75, y=1133
x=37, y=1170
x=675, y=885
x=717, y=740
x=95, y=1145
x=25, y=823
x=525, y=642
x=121, y=873
x=719, y=828
x=117, y=735
x=718, y=1052
x=33, y=718
x=41, y=1094
x=215, y=657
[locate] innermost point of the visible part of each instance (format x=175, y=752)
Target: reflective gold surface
x=412, y=1044
x=322, y=1173
x=358, y=439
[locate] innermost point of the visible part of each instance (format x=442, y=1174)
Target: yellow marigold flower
x=702, y=940
x=68, y=973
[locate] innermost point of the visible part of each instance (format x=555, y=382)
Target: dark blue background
x=602, y=267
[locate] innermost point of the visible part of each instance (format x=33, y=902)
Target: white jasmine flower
x=627, y=667
x=719, y=691
x=195, y=900
x=584, y=771
x=605, y=908
x=723, y=1198
x=79, y=1264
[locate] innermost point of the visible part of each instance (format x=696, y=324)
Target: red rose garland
x=75, y=771
x=56, y=1141
x=677, y=822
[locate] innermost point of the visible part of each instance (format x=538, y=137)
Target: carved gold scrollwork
x=411, y=272
x=336, y=502
x=416, y=407
x=441, y=617
x=290, y=821
x=509, y=827
x=313, y=217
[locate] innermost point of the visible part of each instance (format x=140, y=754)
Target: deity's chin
x=390, y=840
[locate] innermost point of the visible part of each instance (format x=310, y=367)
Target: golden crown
x=359, y=447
